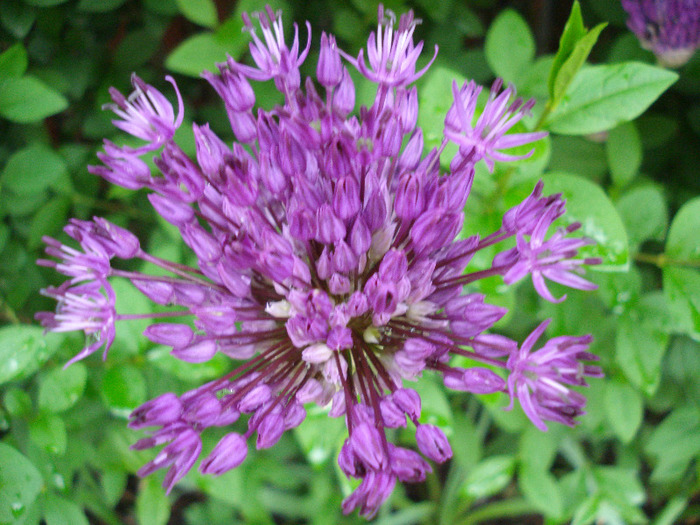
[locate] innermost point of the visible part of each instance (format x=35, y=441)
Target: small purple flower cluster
x=669, y=28
x=330, y=261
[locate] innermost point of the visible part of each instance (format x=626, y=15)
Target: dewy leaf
x=588, y=204
x=202, y=12
x=509, y=46
x=602, y=97
x=624, y=151
x=320, y=435
x=13, y=61
x=23, y=349
x=32, y=170
x=24, y=100
x=624, y=408
x=640, y=346
x=61, y=388
x=49, y=432
x=682, y=285
x=573, y=32
x=20, y=483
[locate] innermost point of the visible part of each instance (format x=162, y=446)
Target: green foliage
x=65, y=455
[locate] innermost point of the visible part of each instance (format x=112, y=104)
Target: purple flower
x=669, y=28
x=538, y=379
x=484, y=139
x=328, y=262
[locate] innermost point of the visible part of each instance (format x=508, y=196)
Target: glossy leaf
x=20, y=483
x=61, y=388
x=588, y=204
x=23, y=349
x=604, y=96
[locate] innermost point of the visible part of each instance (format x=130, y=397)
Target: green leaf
x=434, y=104
x=682, y=292
x=61, y=511
x=61, y=388
x=640, y=346
x=23, y=349
x=489, y=477
x=537, y=449
x=16, y=17
x=20, y=483
x=541, y=489
x=17, y=402
x=674, y=443
x=32, y=170
x=683, y=243
x=509, y=45
x=201, y=52
x=682, y=285
x=13, y=61
x=619, y=484
x=652, y=223
x=573, y=63
x=45, y=3
x=123, y=388
x=588, y=204
x=574, y=30
x=99, y=6
x=320, y=436
x=49, y=432
x=162, y=359
x=624, y=151
x=624, y=409
x=152, y=505
x=49, y=220
x=25, y=100
x=602, y=97
x=202, y=12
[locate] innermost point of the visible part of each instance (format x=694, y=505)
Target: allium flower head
x=330, y=266
x=669, y=28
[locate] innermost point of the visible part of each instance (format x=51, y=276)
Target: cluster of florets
x=330, y=262
x=668, y=28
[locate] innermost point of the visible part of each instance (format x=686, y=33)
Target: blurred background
x=64, y=448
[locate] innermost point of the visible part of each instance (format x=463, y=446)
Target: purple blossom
x=669, y=28
x=538, y=379
x=484, y=139
x=328, y=262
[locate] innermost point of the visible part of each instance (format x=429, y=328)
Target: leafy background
x=623, y=149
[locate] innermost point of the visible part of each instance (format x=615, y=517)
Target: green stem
x=508, y=508
x=7, y=312
x=661, y=260
x=112, y=207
